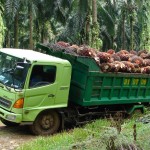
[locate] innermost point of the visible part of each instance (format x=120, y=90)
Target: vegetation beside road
x=101, y=134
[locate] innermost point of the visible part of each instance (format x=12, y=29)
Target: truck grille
x=5, y=103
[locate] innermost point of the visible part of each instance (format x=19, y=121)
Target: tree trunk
x=114, y=2
x=87, y=28
x=94, y=21
x=42, y=32
x=123, y=31
x=16, y=26
x=31, y=28
x=131, y=34
x=96, y=42
x=94, y=11
x=8, y=39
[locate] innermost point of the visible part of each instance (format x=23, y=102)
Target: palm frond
x=12, y=7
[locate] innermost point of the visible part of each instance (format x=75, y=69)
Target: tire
x=8, y=123
x=46, y=123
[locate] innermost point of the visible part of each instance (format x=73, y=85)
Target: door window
x=42, y=75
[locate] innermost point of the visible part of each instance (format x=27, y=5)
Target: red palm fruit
x=129, y=67
x=147, y=56
x=64, y=44
x=124, y=52
x=145, y=70
x=111, y=51
x=74, y=48
x=137, y=69
x=97, y=60
x=142, y=51
x=103, y=56
x=89, y=52
x=136, y=59
x=133, y=52
x=143, y=55
x=115, y=57
x=118, y=66
x=105, y=67
x=124, y=57
x=146, y=62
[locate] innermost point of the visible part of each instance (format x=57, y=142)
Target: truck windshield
x=12, y=75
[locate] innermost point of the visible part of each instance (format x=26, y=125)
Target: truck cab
x=33, y=86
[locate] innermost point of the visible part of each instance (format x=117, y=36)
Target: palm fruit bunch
x=146, y=62
x=125, y=61
x=133, y=52
x=145, y=70
x=109, y=61
x=85, y=51
x=63, y=44
x=103, y=56
x=136, y=59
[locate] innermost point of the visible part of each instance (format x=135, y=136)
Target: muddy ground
x=12, y=137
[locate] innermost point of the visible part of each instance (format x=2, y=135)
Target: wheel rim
x=47, y=122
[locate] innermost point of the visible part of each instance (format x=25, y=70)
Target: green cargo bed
x=90, y=86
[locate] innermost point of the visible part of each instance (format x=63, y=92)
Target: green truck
x=46, y=91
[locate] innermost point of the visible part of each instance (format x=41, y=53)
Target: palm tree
x=120, y=24
x=2, y=28
x=12, y=12
x=45, y=12
x=143, y=21
x=31, y=6
x=96, y=41
x=78, y=29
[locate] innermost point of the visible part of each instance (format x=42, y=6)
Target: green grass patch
x=69, y=139
x=99, y=135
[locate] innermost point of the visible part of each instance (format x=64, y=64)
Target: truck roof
x=32, y=55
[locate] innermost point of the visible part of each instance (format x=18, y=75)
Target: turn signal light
x=19, y=103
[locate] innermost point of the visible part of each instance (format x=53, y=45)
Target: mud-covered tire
x=46, y=123
x=8, y=123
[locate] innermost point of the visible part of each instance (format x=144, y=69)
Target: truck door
x=42, y=87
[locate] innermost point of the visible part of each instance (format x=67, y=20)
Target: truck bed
x=90, y=86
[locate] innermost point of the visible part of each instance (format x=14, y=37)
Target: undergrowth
x=113, y=133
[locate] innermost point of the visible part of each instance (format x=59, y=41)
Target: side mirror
x=19, y=67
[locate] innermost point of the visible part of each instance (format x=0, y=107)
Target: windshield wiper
x=2, y=84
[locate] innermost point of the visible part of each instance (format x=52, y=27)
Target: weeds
x=113, y=133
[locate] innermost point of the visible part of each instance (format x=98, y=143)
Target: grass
x=68, y=139
x=99, y=135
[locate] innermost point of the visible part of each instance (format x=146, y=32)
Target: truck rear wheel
x=46, y=123
x=8, y=123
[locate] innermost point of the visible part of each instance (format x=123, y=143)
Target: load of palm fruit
x=110, y=61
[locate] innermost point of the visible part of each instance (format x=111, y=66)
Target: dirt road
x=12, y=137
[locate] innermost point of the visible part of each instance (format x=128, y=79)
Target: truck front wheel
x=46, y=123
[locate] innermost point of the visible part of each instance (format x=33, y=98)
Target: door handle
x=51, y=95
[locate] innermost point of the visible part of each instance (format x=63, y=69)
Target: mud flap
x=131, y=109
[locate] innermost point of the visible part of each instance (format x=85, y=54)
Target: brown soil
x=13, y=137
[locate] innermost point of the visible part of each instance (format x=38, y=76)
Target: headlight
x=10, y=117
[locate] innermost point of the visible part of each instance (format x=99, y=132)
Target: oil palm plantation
x=120, y=24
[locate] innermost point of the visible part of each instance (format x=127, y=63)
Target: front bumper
x=17, y=118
